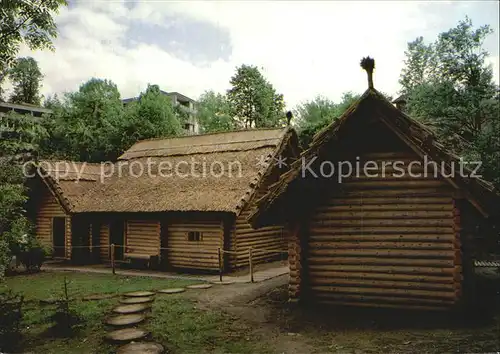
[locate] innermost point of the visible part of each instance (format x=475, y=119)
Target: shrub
x=10, y=319
x=66, y=318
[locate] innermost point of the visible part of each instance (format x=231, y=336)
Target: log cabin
x=400, y=233
x=170, y=202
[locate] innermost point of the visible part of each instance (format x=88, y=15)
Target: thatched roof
x=269, y=210
x=69, y=179
x=179, y=175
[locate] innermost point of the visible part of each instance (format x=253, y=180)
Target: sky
x=304, y=49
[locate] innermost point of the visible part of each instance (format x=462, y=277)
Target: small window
x=194, y=236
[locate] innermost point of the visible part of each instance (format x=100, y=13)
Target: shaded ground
x=257, y=318
x=291, y=329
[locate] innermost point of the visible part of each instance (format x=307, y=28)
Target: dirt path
x=242, y=301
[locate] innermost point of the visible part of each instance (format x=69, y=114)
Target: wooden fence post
x=250, y=263
x=113, y=257
x=220, y=265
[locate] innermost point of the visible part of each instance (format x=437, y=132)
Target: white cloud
x=305, y=48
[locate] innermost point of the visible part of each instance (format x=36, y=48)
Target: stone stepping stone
x=126, y=320
x=132, y=308
x=127, y=335
x=141, y=348
x=199, y=286
x=139, y=294
x=172, y=291
x=98, y=297
x=137, y=300
x=224, y=282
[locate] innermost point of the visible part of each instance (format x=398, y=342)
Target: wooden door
x=117, y=237
x=59, y=236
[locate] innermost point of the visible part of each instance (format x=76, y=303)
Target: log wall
x=143, y=237
x=386, y=242
x=264, y=241
x=202, y=254
x=48, y=208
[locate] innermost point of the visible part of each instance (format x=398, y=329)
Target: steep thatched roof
x=69, y=179
x=211, y=172
x=268, y=210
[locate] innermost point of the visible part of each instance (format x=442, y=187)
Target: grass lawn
x=175, y=321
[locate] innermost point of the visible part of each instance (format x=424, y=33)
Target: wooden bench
x=151, y=259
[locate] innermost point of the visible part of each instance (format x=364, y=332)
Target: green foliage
x=85, y=125
x=214, y=113
x=92, y=124
x=20, y=136
x=11, y=305
x=316, y=114
x=28, y=22
x=65, y=317
x=450, y=87
x=26, y=78
x=254, y=100
x=151, y=116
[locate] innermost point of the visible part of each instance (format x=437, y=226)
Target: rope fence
x=219, y=253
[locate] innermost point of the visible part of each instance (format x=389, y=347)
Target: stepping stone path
x=135, y=348
x=131, y=312
x=132, y=308
x=137, y=300
x=199, y=286
x=126, y=320
x=225, y=282
x=139, y=294
x=172, y=291
x=127, y=335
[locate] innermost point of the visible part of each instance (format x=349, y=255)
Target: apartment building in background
x=185, y=103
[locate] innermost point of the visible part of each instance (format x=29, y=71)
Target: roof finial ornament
x=289, y=116
x=368, y=64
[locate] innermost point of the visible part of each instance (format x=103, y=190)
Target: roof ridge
x=70, y=161
x=212, y=133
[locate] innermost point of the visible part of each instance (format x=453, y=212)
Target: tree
x=26, y=78
x=29, y=22
x=454, y=90
x=19, y=139
x=214, y=112
x=316, y=114
x=87, y=124
x=254, y=101
x=417, y=66
x=151, y=116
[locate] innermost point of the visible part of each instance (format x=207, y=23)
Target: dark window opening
x=194, y=236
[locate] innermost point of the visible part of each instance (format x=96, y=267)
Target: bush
x=32, y=258
x=66, y=319
x=10, y=319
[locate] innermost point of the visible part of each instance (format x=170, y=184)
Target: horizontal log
x=317, y=289
x=390, y=285
x=332, y=236
x=385, y=207
x=393, y=184
x=331, y=277
x=394, y=214
x=380, y=261
x=383, y=222
x=382, y=253
x=383, y=245
x=376, y=230
x=404, y=192
x=405, y=305
x=390, y=270
x=384, y=200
